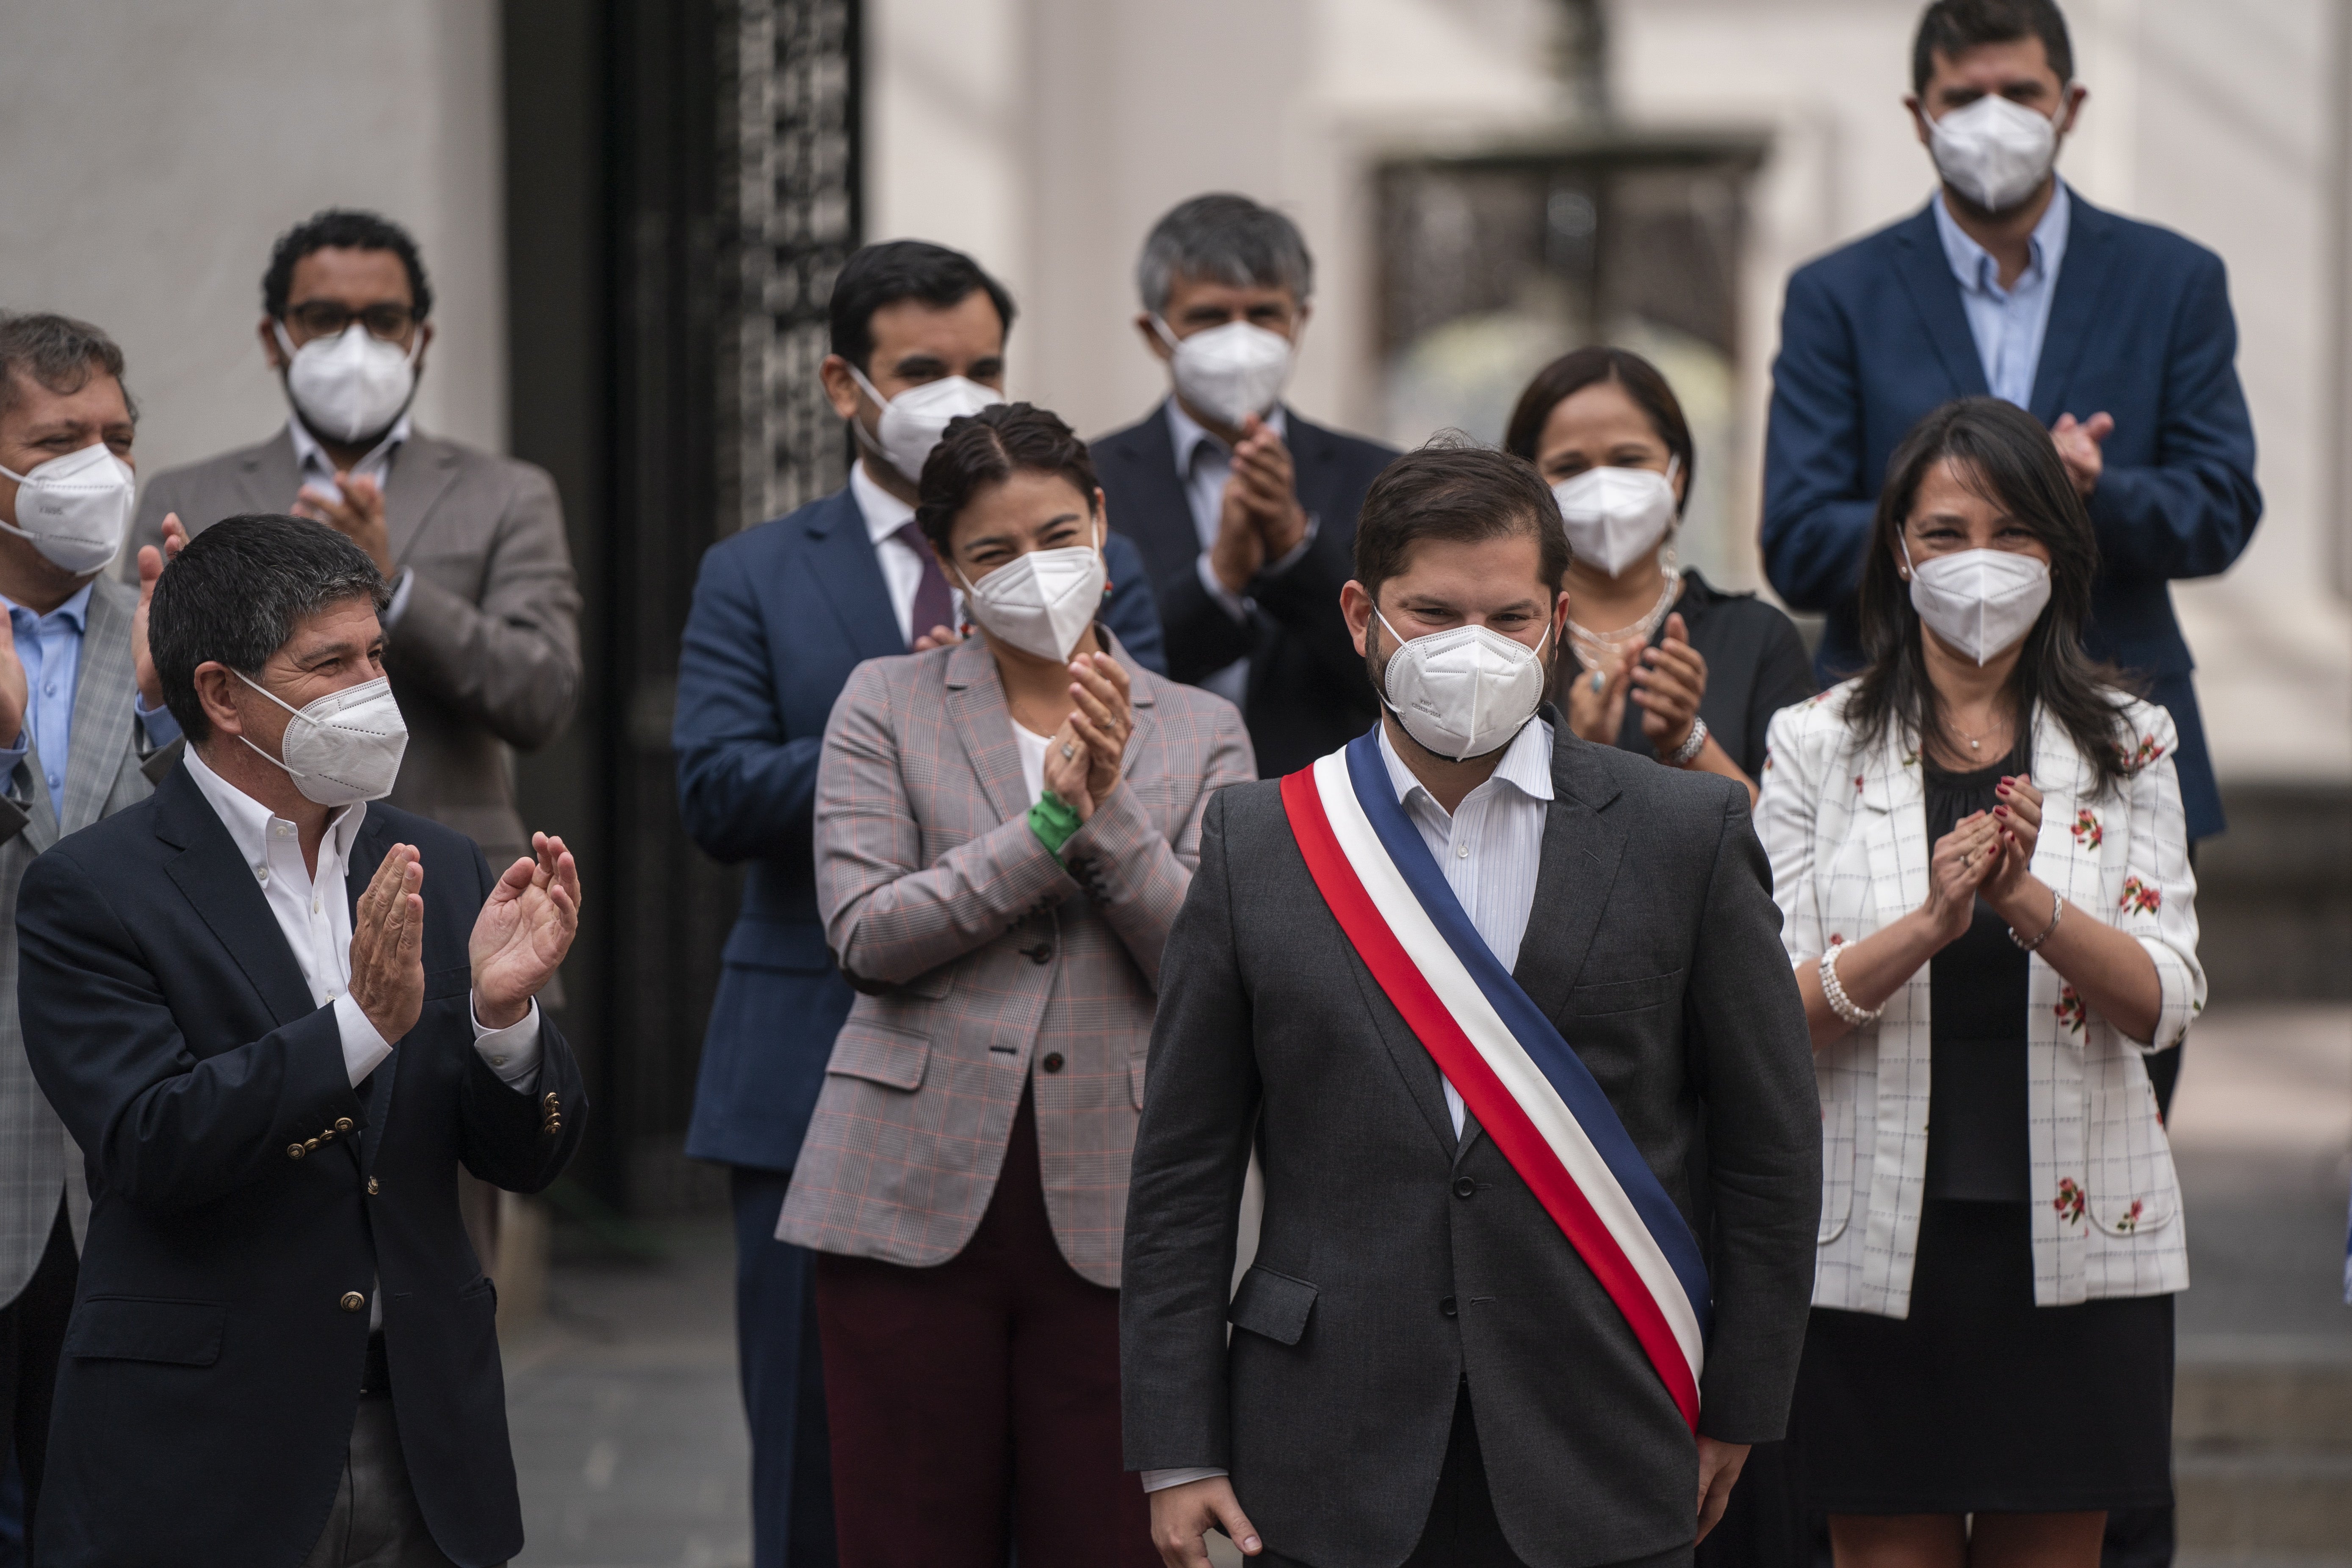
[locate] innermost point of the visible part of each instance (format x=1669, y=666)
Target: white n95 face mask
x=1994, y=152
x=1981, y=602
x=76, y=509
x=913, y=422
x=1229, y=373
x=1041, y=603
x=1616, y=516
x=351, y=386
x=344, y=747
x=1465, y=692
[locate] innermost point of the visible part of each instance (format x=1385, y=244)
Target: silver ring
x=1068, y=751
x=1600, y=681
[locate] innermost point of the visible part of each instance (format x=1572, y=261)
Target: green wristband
x=1053, y=822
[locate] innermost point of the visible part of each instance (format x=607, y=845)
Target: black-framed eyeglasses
x=326, y=319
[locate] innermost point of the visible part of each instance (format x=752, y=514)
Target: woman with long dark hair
x=1006, y=828
x=1664, y=663
x=1979, y=851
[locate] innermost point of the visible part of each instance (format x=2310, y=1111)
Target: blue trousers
x=783, y=1380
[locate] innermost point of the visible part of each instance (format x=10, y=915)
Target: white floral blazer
x=1846, y=828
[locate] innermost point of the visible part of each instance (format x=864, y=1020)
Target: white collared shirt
x=315, y=470
x=1204, y=464
x=2009, y=324
x=1490, y=846
x=901, y=563
x=314, y=914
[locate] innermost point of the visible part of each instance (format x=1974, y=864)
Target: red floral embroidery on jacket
x=2071, y=1011
x=2130, y=1220
x=2148, y=752
x=1857, y=784
x=2087, y=831
x=2069, y=1202
x=2140, y=898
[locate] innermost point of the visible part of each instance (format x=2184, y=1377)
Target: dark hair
x=59, y=353
x=343, y=228
x=235, y=593
x=1453, y=488
x=2004, y=455
x=1572, y=371
x=879, y=275
x=988, y=448
x=1223, y=238
x=1952, y=27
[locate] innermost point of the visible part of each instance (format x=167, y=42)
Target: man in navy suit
x=2115, y=333
x=782, y=613
x=1245, y=511
x=277, y=1016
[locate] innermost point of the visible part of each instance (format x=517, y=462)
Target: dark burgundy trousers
x=975, y=1405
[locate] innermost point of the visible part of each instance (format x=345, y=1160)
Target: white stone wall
x=155, y=151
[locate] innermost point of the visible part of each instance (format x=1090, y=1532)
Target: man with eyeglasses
x=482, y=638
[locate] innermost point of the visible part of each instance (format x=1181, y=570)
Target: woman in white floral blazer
x=1979, y=851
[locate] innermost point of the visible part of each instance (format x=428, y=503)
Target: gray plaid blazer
x=106, y=771
x=987, y=964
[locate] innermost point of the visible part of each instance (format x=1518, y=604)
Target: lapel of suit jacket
x=1154, y=510
x=369, y=847
x=1582, y=850
x=1891, y=806
x=1313, y=464
x=984, y=725
x=841, y=558
x=422, y=469
x=1934, y=293
x=214, y=877
x=101, y=710
x=265, y=478
x=2082, y=278
x=40, y=813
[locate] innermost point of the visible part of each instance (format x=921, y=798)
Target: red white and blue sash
x=1531, y=1093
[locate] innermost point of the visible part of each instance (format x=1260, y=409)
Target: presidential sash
x=1531, y=1093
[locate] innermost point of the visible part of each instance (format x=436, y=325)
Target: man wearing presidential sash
x=1505, y=1016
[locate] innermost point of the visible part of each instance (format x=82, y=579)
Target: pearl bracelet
x=1834, y=991
x=1688, y=753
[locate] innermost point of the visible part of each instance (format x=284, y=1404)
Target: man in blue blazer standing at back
x=2115, y=333
x=782, y=613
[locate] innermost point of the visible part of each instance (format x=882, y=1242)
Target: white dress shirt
x=901, y=563
x=1204, y=462
x=313, y=468
x=2009, y=323
x=1488, y=847
x=314, y=913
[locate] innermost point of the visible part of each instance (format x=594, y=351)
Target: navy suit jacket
x=213, y=1363
x=1874, y=336
x=1307, y=694
x=782, y=613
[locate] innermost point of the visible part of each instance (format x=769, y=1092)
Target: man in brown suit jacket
x=482, y=635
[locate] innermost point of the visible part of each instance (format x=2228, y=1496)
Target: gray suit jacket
x=103, y=775
x=487, y=654
x=1396, y=1263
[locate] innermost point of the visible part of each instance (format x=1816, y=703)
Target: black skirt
x=1980, y=1401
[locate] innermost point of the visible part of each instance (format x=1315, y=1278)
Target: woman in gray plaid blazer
x=1980, y=853
x=1004, y=829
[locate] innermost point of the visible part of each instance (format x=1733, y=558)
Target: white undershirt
x=1032, y=759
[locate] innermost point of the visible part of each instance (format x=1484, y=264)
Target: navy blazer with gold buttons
x=247, y=1200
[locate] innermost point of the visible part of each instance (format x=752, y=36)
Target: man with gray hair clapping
x=1245, y=512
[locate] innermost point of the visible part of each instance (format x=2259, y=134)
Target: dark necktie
x=932, y=604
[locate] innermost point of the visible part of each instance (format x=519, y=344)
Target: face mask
x=1981, y=602
x=1041, y=603
x=913, y=422
x=1228, y=372
x=351, y=386
x=1616, y=516
x=1994, y=152
x=344, y=747
x=1464, y=693
x=74, y=509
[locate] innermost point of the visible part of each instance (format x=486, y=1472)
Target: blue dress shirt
x=50, y=647
x=2009, y=323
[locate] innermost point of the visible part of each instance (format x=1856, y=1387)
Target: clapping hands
x=524, y=929
x=1087, y=755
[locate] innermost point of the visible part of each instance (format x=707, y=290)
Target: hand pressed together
x=1089, y=752
x=388, y=945
x=1669, y=682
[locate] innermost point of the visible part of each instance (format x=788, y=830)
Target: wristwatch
x=1682, y=756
